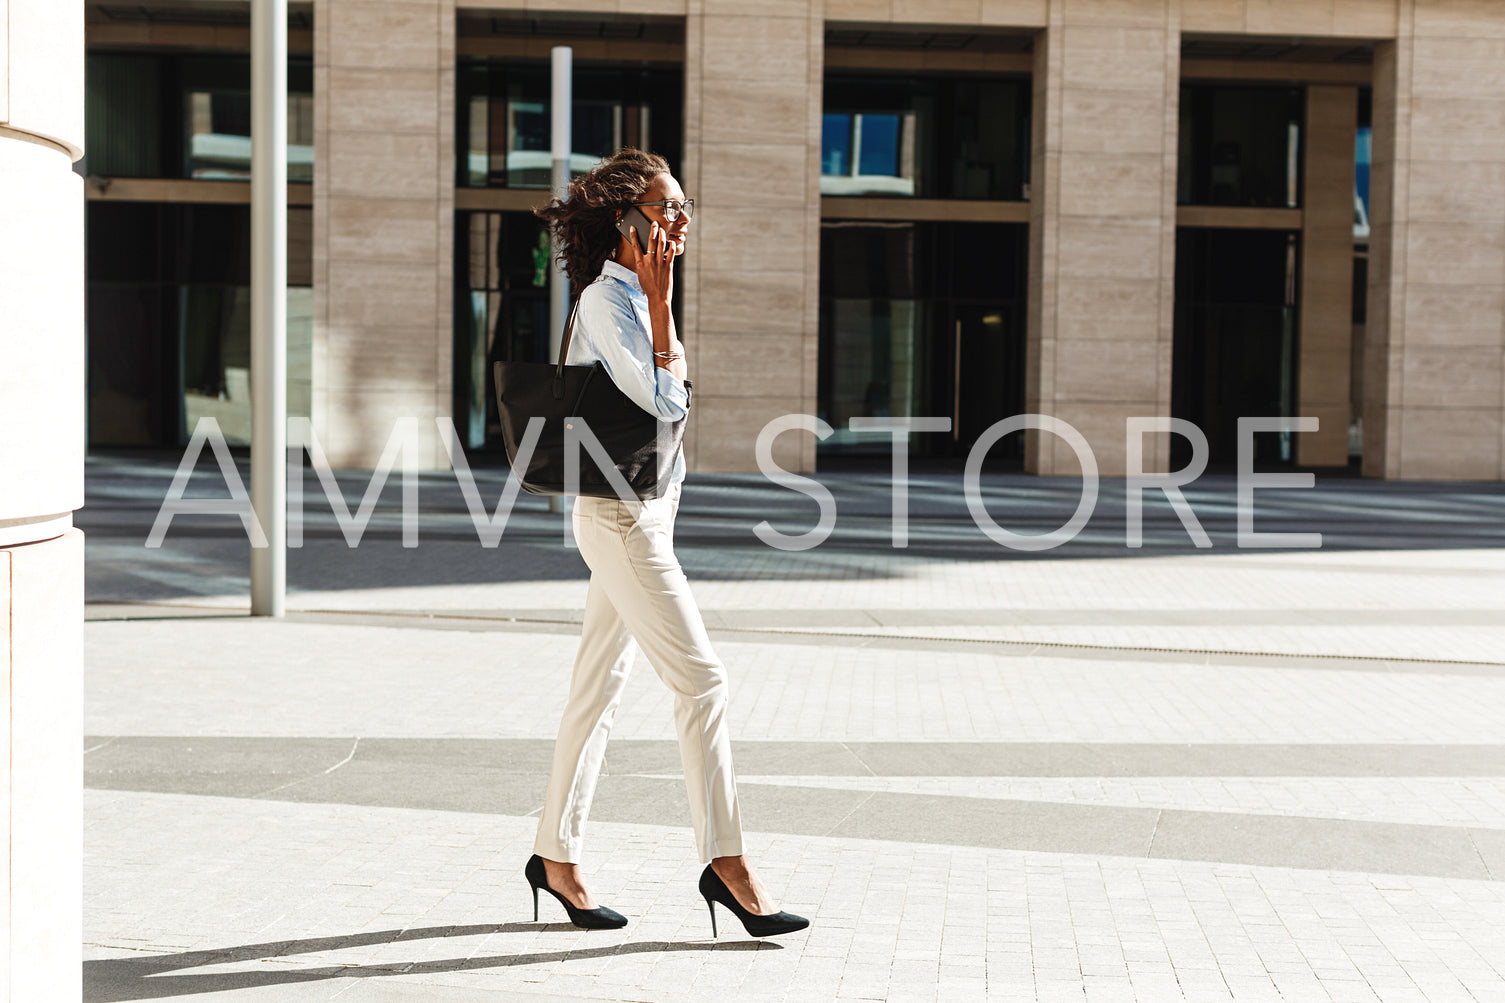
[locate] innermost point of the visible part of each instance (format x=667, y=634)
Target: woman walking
x=638, y=595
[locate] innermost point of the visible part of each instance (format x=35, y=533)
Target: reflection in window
x=867, y=154
x=1361, y=161
x=169, y=320
x=123, y=128
x=920, y=319
x=1235, y=338
x=219, y=136
x=836, y=145
x=941, y=137
x=171, y=116
x=501, y=289
x=1240, y=145
x=503, y=131
x=217, y=119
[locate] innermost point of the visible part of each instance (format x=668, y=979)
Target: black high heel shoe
x=599, y=918
x=713, y=889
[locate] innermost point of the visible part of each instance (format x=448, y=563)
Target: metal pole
x=562, y=57
x=561, y=98
x=269, y=303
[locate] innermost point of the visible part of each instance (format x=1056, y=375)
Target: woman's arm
x=614, y=331
x=655, y=271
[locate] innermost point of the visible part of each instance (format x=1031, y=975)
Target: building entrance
x=1235, y=339
x=921, y=319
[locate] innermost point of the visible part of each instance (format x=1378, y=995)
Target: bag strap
x=564, y=347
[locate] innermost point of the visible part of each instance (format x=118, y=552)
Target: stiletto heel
x=714, y=890
x=599, y=918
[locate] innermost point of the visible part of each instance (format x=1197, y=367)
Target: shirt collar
x=621, y=273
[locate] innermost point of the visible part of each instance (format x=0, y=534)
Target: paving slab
x=1087, y=774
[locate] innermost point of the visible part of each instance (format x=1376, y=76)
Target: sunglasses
x=673, y=208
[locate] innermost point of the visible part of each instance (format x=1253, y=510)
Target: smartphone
x=633, y=217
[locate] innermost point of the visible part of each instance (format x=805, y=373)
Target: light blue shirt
x=612, y=327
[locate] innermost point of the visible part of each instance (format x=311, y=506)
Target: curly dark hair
x=586, y=222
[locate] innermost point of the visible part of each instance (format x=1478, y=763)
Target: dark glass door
x=169, y=320
x=921, y=319
x=987, y=379
x=501, y=310
x=1235, y=338
x=986, y=275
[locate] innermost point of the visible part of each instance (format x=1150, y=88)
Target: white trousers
x=638, y=595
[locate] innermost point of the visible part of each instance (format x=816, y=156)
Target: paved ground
x=1086, y=774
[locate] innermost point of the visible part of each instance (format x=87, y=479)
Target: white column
x=562, y=98
x=269, y=303
x=42, y=383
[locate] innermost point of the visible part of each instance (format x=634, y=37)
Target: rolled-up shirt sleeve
x=614, y=334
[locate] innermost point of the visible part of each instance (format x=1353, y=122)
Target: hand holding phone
x=651, y=256
x=654, y=264
x=633, y=218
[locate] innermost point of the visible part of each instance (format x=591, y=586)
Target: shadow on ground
x=112, y=980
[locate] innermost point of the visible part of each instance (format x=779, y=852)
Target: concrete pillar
x=1326, y=323
x=1434, y=382
x=753, y=84
x=41, y=483
x=384, y=169
x=1102, y=227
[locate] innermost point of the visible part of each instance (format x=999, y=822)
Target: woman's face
x=662, y=188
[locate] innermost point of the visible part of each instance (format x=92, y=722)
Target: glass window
x=937, y=137
x=503, y=127
x=1240, y=145
x=501, y=309
x=170, y=116
x=130, y=365
x=123, y=115
x=921, y=319
x=1362, y=159
x=216, y=96
x=169, y=320
x=836, y=145
x=879, y=152
x=1235, y=338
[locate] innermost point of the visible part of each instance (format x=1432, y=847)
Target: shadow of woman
x=114, y=980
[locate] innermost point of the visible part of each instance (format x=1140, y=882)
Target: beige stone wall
x=384, y=91
x=41, y=483
x=1342, y=18
x=1102, y=227
x=752, y=161
x=1435, y=352
x=992, y=13
x=1325, y=328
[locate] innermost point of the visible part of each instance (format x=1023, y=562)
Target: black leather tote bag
x=558, y=417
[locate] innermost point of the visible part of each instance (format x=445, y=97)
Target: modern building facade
x=1091, y=209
